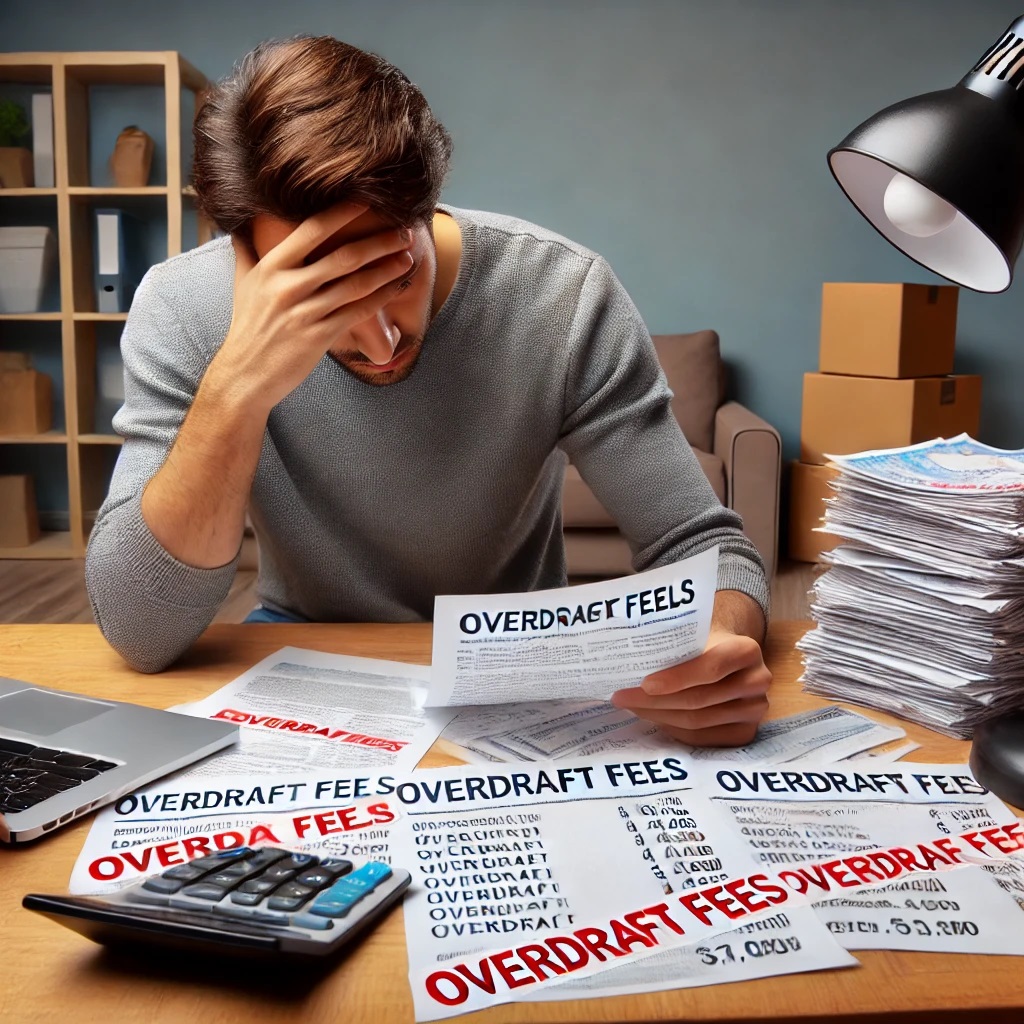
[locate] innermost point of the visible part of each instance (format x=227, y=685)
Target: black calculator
x=264, y=900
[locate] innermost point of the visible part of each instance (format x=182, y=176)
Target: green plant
x=13, y=123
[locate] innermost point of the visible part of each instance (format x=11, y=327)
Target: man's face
x=383, y=349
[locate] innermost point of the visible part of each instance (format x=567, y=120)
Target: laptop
x=62, y=754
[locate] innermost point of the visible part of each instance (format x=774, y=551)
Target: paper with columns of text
x=574, y=642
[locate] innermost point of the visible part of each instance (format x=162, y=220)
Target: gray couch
x=740, y=454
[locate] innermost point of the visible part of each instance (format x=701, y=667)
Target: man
x=390, y=389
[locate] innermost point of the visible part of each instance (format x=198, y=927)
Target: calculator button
x=238, y=871
x=187, y=872
x=316, y=878
x=205, y=891
x=224, y=857
x=265, y=856
x=301, y=860
x=289, y=897
x=280, y=872
x=223, y=880
x=335, y=865
x=316, y=924
x=349, y=890
x=292, y=890
x=246, y=899
x=162, y=884
x=284, y=903
x=261, y=885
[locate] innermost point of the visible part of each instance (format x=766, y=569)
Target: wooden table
x=48, y=973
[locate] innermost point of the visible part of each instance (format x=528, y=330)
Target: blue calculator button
x=315, y=924
x=233, y=854
x=341, y=897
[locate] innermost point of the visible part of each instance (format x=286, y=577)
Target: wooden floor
x=42, y=591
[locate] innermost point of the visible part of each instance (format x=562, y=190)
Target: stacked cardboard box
x=19, y=520
x=885, y=380
x=26, y=396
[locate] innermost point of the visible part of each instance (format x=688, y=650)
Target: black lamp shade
x=964, y=145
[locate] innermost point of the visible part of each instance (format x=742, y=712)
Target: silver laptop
x=62, y=754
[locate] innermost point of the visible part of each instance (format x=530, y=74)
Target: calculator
x=251, y=901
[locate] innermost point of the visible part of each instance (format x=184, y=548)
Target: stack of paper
x=922, y=613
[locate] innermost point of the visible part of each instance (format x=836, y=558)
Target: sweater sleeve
x=620, y=433
x=150, y=607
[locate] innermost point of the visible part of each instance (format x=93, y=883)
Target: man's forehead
x=269, y=231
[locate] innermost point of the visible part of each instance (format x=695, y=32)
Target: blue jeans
x=261, y=614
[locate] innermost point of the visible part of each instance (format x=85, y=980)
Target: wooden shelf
x=50, y=437
x=11, y=193
x=49, y=545
x=115, y=439
x=85, y=348
x=92, y=192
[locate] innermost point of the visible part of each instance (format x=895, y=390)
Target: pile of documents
x=921, y=613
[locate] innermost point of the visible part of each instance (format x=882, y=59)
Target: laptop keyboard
x=30, y=774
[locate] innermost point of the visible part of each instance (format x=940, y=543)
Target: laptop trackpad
x=42, y=714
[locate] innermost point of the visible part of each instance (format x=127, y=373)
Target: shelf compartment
x=39, y=209
x=100, y=379
x=41, y=339
x=147, y=226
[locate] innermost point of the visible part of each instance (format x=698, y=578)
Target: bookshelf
x=75, y=345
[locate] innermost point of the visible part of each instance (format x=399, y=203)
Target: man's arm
x=164, y=549
x=620, y=433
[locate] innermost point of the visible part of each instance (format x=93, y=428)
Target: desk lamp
x=941, y=176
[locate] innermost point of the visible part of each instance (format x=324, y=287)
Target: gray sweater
x=369, y=501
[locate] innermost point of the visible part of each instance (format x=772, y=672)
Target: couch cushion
x=581, y=509
x=694, y=370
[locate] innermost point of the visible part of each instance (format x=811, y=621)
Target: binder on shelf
x=116, y=265
x=42, y=139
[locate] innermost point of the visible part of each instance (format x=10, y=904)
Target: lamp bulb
x=915, y=210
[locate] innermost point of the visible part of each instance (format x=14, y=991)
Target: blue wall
x=685, y=141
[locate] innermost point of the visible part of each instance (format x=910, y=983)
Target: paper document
x=921, y=610
x=306, y=710
x=178, y=819
x=556, y=880
x=553, y=730
x=526, y=859
x=575, y=642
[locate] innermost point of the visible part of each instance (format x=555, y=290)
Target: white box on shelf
x=26, y=259
x=42, y=139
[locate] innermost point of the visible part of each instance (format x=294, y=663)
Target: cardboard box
x=808, y=489
x=15, y=361
x=888, y=330
x=19, y=520
x=26, y=402
x=854, y=414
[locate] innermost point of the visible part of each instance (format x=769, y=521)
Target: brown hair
x=304, y=123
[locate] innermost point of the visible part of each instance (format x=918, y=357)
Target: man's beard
x=363, y=369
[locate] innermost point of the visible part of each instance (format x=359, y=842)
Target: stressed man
x=390, y=388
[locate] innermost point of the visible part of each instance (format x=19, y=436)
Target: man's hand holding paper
x=718, y=698
x=688, y=656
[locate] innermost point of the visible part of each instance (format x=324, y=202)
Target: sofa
x=740, y=453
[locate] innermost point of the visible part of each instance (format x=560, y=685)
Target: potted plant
x=15, y=160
